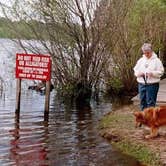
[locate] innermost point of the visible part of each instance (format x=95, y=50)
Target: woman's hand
x=141, y=74
x=150, y=74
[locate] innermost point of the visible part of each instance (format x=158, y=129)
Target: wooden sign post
x=47, y=100
x=34, y=67
x=18, y=95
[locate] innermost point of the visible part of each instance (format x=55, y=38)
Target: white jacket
x=152, y=65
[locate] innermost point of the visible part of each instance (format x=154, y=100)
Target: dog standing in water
x=153, y=117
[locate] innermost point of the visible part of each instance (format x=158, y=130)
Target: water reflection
x=24, y=148
x=69, y=137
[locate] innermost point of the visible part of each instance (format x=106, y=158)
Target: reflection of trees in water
x=24, y=151
x=14, y=142
x=1, y=86
x=85, y=130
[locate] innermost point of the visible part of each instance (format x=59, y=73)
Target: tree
x=132, y=22
x=72, y=36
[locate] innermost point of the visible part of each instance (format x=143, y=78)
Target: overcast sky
x=6, y=2
x=28, y=10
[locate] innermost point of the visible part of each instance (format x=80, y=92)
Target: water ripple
x=69, y=138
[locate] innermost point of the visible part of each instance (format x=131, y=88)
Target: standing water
x=69, y=138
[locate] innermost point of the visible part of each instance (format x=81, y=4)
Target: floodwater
x=69, y=138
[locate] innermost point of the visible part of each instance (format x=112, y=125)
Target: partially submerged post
x=35, y=67
x=18, y=95
x=47, y=100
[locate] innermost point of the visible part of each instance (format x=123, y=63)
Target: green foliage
x=23, y=29
x=164, y=2
x=67, y=90
x=147, y=21
x=125, y=27
x=4, y=29
x=115, y=85
x=144, y=21
x=138, y=151
x=15, y=29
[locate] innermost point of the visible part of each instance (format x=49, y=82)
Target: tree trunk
x=84, y=92
x=164, y=55
x=164, y=52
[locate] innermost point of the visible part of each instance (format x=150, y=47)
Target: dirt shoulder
x=119, y=128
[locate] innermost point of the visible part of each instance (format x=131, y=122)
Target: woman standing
x=148, y=71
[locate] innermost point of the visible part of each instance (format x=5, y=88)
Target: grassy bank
x=118, y=127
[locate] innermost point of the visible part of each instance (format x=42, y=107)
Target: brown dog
x=153, y=117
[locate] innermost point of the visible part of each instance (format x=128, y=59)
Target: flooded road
x=69, y=138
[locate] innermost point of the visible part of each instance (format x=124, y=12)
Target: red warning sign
x=32, y=66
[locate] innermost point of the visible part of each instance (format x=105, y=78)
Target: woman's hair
x=146, y=47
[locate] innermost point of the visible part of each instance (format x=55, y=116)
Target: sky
x=23, y=5
x=5, y=2
x=29, y=11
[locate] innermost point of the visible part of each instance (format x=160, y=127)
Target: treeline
x=4, y=29
x=19, y=29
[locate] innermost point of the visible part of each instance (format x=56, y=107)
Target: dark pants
x=148, y=94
